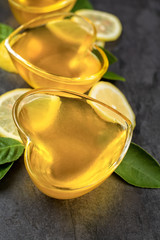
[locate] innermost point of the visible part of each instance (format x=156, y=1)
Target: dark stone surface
x=115, y=210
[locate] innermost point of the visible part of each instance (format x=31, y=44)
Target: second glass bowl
x=57, y=50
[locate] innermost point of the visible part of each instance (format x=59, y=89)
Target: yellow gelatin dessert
x=58, y=53
x=70, y=149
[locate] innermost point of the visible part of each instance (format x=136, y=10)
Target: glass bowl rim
x=33, y=9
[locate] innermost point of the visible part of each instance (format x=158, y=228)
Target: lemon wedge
x=7, y=100
x=5, y=60
x=108, y=26
x=113, y=97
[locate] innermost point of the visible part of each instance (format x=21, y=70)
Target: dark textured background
x=115, y=210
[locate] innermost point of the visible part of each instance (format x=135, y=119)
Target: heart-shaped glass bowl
x=26, y=10
x=57, y=50
x=72, y=142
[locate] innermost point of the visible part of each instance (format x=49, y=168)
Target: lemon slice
x=41, y=112
x=5, y=60
x=113, y=97
x=100, y=43
x=7, y=100
x=108, y=26
x=72, y=32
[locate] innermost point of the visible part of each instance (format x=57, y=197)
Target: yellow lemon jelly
x=70, y=149
x=58, y=54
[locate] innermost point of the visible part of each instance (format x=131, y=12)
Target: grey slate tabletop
x=115, y=210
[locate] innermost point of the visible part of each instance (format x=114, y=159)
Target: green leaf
x=139, y=168
x=4, y=169
x=10, y=150
x=113, y=76
x=82, y=4
x=111, y=58
x=5, y=31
